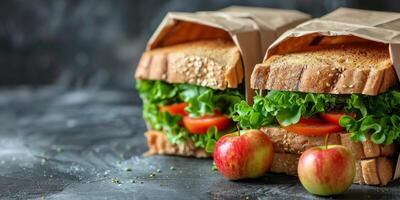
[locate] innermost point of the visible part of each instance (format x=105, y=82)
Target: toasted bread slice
x=287, y=142
x=363, y=68
x=358, y=177
x=377, y=171
x=386, y=168
x=213, y=63
x=159, y=144
x=373, y=171
x=370, y=171
x=285, y=163
x=355, y=147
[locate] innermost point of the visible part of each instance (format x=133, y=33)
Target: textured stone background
x=97, y=43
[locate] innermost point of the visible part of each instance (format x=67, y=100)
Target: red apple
x=327, y=170
x=245, y=155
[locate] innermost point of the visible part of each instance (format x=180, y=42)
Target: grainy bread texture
x=370, y=170
x=213, y=63
x=363, y=68
x=288, y=142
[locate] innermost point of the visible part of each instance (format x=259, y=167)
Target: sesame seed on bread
x=213, y=63
x=363, y=68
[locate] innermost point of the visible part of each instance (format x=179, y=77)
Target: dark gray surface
x=58, y=144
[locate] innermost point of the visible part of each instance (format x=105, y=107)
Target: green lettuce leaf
x=201, y=100
x=209, y=140
x=376, y=115
x=285, y=107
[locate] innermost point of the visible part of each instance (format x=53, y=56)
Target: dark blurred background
x=97, y=43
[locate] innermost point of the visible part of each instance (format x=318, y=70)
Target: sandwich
x=347, y=91
x=195, y=69
x=189, y=91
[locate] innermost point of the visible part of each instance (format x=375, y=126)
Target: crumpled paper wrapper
x=251, y=29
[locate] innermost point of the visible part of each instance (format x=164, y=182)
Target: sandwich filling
x=317, y=114
x=188, y=112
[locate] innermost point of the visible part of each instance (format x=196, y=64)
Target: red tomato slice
x=200, y=125
x=313, y=127
x=334, y=117
x=175, y=109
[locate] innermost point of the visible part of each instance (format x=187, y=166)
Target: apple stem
x=326, y=141
x=238, y=128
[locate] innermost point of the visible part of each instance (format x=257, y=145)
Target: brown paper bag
x=251, y=29
x=345, y=25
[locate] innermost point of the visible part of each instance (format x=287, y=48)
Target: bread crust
x=336, y=69
x=378, y=170
x=355, y=147
x=372, y=171
x=159, y=144
x=288, y=142
x=374, y=166
x=285, y=163
x=213, y=63
x=385, y=170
